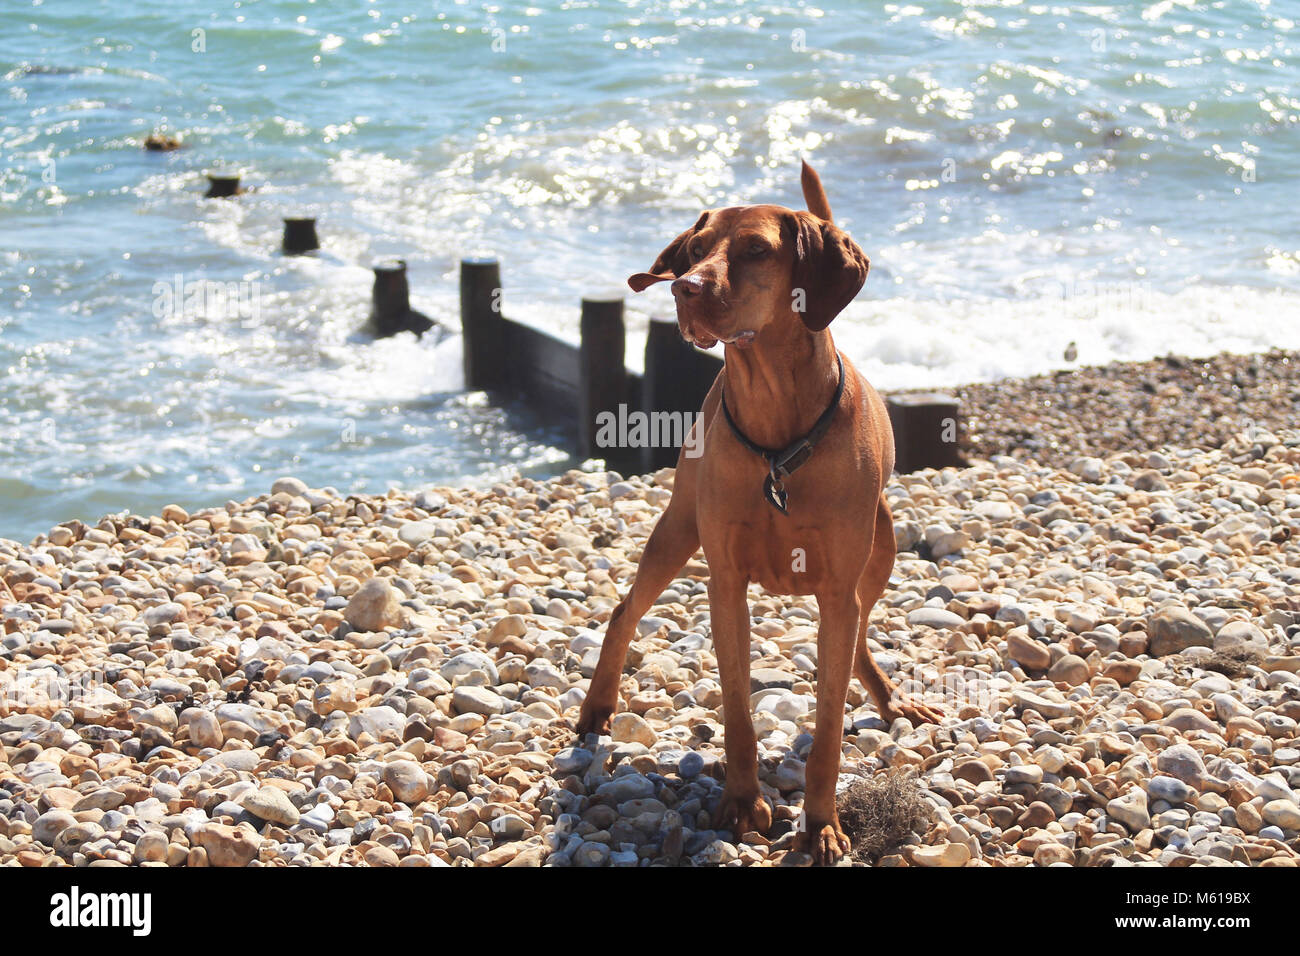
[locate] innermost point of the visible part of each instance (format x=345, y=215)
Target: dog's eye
x=757, y=250
x=695, y=250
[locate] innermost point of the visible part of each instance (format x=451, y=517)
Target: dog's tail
x=814, y=196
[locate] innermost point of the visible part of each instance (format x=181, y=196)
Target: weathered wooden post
x=602, y=378
x=481, y=323
x=223, y=186
x=299, y=236
x=161, y=142
x=926, y=431
x=390, y=309
x=677, y=378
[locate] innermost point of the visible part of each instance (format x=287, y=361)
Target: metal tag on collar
x=774, y=491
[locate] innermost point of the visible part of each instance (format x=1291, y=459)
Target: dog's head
x=739, y=269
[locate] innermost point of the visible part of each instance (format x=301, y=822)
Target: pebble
x=227, y=846
x=375, y=606
x=1173, y=630
x=572, y=760
x=1130, y=809
x=1170, y=789
x=379, y=723
x=1281, y=813
x=1029, y=653
x=935, y=617
x=1241, y=636
x=407, y=781
x=467, y=699
x=271, y=804
x=1182, y=761
x=632, y=728
x=1070, y=669
x=944, y=854
x=50, y=824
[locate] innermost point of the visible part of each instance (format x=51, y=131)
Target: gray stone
x=1130, y=809
x=157, y=618
x=462, y=664
x=381, y=723
x=790, y=775
x=467, y=699
x=50, y=824
x=628, y=786
x=690, y=765
x=572, y=760
x=1173, y=630
x=591, y=854
x=935, y=617
x=1170, y=789
x=1182, y=761
x=245, y=760
x=1241, y=636
x=1045, y=706
x=271, y=804
x=1028, y=773
x=415, y=533
x=264, y=722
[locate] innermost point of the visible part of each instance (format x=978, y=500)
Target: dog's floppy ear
x=829, y=270
x=672, y=262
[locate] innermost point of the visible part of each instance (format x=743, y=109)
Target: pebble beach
x=304, y=678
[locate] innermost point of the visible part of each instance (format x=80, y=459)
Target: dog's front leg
x=742, y=806
x=671, y=545
x=821, y=835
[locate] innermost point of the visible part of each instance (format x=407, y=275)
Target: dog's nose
x=687, y=286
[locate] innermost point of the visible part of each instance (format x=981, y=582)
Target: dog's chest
x=786, y=558
x=824, y=538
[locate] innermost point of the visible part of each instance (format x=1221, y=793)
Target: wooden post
x=390, y=309
x=926, y=431
x=299, y=236
x=480, y=323
x=392, y=293
x=223, y=186
x=161, y=143
x=602, y=382
x=677, y=378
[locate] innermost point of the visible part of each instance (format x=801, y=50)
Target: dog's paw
x=743, y=813
x=825, y=843
x=914, y=711
x=594, y=718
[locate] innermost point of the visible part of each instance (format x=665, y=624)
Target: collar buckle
x=788, y=459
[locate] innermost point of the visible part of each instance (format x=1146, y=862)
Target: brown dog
x=767, y=281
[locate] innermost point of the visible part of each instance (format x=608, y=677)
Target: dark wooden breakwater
x=635, y=422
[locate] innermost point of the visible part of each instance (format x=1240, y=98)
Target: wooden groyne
x=587, y=391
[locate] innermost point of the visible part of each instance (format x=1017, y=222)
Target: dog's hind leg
x=872, y=584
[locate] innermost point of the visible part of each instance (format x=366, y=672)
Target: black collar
x=782, y=462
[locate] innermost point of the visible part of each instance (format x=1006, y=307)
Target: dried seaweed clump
x=1230, y=663
x=877, y=813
